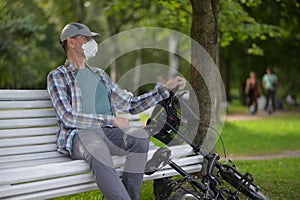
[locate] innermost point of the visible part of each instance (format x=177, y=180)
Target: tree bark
x=204, y=30
x=79, y=10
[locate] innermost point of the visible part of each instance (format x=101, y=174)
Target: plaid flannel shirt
x=65, y=94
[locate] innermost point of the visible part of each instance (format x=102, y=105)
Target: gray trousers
x=97, y=146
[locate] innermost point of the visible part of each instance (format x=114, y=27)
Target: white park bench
x=31, y=167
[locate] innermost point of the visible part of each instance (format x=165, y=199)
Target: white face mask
x=90, y=49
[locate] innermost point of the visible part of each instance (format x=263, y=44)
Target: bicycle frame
x=208, y=187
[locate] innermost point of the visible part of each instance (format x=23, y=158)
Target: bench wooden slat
x=23, y=94
x=33, y=162
x=27, y=141
x=172, y=172
x=40, y=172
x=48, y=185
x=27, y=149
x=27, y=132
x=58, y=192
x=185, y=161
x=27, y=122
x=15, y=114
x=25, y=104
x=35, y=156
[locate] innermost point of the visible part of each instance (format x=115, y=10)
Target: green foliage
x=22, y=58
x=257, y=34
x=253, y=34
x=237, y=25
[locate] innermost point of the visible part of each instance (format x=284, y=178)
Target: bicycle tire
x=186, y=195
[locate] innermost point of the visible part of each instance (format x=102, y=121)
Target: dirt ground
x=259, y=115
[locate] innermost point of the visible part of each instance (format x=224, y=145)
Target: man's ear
x=70, y=43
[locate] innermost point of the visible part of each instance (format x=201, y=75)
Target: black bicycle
x=164, y=125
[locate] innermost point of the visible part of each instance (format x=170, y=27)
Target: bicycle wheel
x=186, y=195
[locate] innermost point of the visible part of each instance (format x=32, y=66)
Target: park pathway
x=284, y=154
x=259, y=115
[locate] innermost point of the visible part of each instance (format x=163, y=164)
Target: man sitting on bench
x=85, y=100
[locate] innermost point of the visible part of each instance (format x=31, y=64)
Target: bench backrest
x=27, y=128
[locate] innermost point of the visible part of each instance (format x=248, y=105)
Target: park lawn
x=261, y=136
x=278, y=178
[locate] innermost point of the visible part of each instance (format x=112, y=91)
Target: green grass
x=236, y=107
x=278, y=178
x=257, y=137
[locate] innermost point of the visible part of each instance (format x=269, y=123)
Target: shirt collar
x=70, y=67
x=73, y=69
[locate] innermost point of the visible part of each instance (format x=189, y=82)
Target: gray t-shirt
x=94, y=95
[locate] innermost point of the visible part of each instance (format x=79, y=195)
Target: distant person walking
x=270, y=83
x=252, y=92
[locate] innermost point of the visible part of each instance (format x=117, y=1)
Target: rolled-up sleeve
x=125, y=101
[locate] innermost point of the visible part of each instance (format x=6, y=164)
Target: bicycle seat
x=159, y=159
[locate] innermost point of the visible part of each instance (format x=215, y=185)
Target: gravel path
x=259, y=115
x=284, y=154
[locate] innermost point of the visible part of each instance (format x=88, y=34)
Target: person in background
x=85, y=100
x=270, y=83
x=252, y=92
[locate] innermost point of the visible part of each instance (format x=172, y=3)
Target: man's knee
x=138, y=140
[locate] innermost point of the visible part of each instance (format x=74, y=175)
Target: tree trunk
x=79, y=10
x=204, y=31
x=113, y=29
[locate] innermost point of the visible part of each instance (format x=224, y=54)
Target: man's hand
x=177, y=81
x=121, y=122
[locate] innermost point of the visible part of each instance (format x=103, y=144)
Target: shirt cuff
x=164, y=91
x=108, y=121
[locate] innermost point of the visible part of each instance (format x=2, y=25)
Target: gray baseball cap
x=73, y=29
